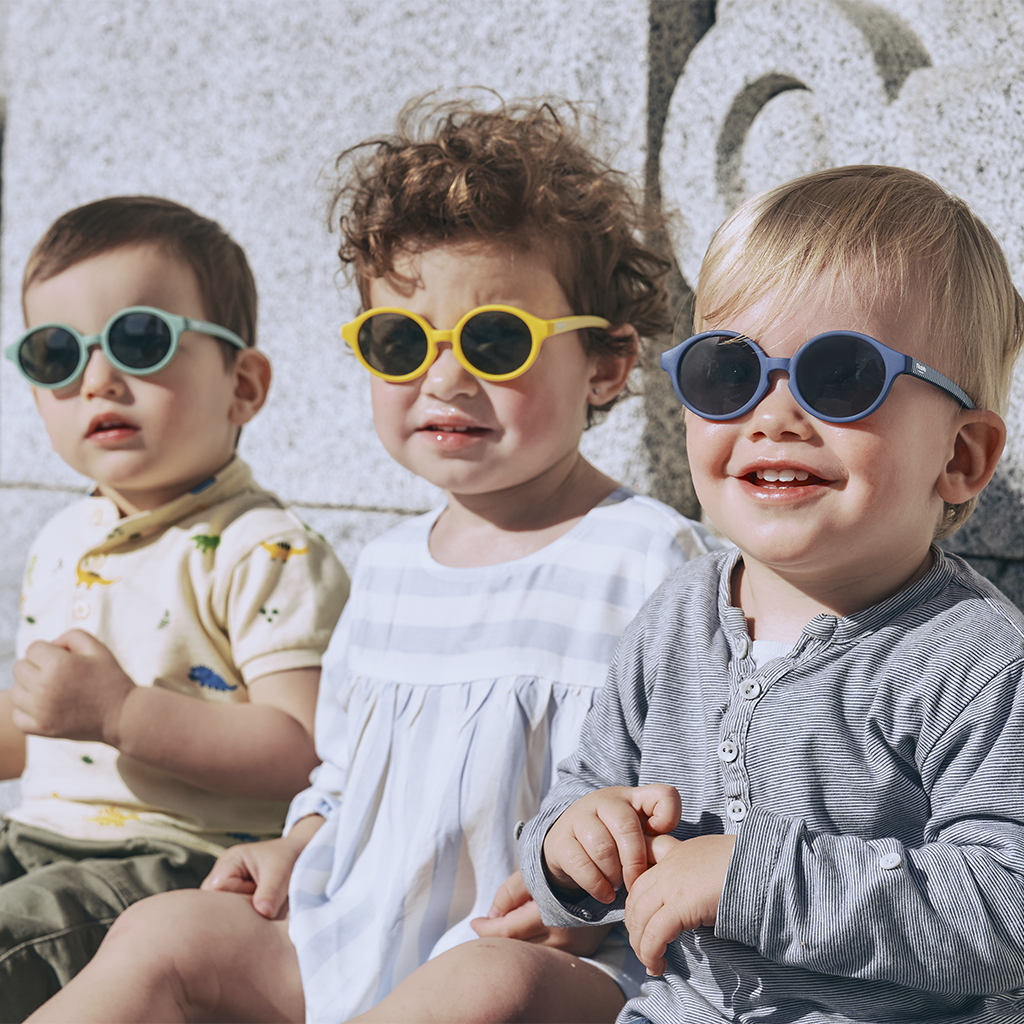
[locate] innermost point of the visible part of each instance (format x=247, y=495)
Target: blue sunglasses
x=838, y=376
x=138, y=340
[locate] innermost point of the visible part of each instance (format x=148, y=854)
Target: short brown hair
x=222, y=272
x=518, y=174
x=887, y=234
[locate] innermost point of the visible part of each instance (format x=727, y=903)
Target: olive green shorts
x=59, y=896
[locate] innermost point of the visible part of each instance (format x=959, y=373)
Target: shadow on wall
x=674, y=29
x=992, y=540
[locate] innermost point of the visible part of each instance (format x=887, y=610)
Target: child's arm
x=12, y=739
x=75, y=689
x=677, y=893
x=599, y=843
x=515, y=915
x=263, y=869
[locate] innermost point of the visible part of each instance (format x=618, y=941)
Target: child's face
x=471, y=436
x=144, y=440
x=848, y=500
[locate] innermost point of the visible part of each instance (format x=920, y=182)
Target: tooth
x=787, y=476
x=771, y=475
x=802, y=475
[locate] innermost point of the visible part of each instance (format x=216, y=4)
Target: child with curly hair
x=504, y=291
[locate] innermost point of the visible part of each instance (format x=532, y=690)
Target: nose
x=447, y=378
x=100, y=379
x=778, y=415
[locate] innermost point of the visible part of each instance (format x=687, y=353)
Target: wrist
x=116, y=728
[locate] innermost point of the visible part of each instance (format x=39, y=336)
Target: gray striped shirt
x=874, y=778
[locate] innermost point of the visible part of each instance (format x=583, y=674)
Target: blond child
x=504, y=288
x=801, y=788
x=172, y=621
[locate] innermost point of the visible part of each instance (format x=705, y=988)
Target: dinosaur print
x=281, y=550
x=208, y=678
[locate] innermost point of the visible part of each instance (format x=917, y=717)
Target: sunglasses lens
x=840, y=376
x=496, y=342
x=139, y=341
x=719, y=375
x=49, y=356
x=393, y=344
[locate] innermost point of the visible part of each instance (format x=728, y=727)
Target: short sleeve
x=282, y=602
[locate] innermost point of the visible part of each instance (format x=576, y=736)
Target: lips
x=447, y=428
x=782, y=477
x=110, y=425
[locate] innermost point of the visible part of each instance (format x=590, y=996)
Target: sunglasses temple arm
x=923, y=372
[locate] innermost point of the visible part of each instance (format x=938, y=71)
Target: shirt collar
x=234, y=478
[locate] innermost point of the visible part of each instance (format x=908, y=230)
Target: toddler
x=172, y=621
x=503, y=289
x=802, y=786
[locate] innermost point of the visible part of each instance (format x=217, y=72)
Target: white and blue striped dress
x=448, y=696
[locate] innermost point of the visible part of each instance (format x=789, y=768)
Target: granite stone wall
x=238, y=107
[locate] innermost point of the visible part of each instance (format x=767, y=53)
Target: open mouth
x=110, y=426
x=783, y=478
x=439, y=428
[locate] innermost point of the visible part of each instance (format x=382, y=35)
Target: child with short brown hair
x=172, y=621
x=502, y=282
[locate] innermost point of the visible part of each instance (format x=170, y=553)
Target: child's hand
x=679, y=892
x=515, y=915
x=72, y=689
x=262, y=869
x=599, y=844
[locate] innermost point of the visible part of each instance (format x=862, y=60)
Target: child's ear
x=612, y=371
x=977, y=445
x=252, y=375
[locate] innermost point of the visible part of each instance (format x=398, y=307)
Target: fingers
x=511, y=893
x=79, y=642
x=229, y=871
x=659, y=806
x=651, y=943
x=271, y=893
x=598, y=843
x=652, y=922
x=524, y=922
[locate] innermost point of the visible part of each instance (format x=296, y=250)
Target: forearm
x=942, y=917
x=12, y=740
x=244, y=750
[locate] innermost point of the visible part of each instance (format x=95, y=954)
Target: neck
x=131, y=500
x=778, y=604
x=485, y=529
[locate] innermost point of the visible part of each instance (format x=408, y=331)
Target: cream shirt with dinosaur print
x=202, y=595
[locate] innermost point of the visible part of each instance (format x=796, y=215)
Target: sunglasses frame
x=540, y=330
x=896, y=364
x=87, y=342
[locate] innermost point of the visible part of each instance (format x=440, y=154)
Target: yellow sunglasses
x=492, y=342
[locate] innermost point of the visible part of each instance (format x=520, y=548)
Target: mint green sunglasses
x=138, y=340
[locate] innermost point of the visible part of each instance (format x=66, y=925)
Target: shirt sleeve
x=608, y=755
x=282, y=602
x=328, y=779
x=947, y=915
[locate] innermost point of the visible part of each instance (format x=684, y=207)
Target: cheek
x=389, y=404
x=55, y=417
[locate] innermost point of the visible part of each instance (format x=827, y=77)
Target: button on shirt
x=876, y=796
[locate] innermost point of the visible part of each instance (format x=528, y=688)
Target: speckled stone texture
x=781, y=88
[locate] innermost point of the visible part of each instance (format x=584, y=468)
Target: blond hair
x=887, y=235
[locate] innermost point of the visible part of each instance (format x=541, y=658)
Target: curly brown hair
x=519, y=174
